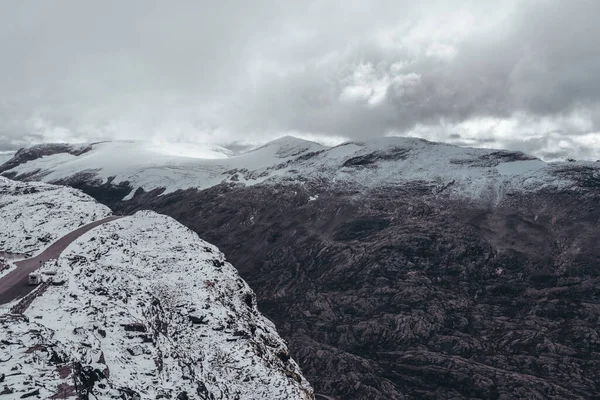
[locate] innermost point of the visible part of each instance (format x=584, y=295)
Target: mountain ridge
x=467, y=172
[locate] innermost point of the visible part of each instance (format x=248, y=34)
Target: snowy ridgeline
x=33, y=215
x=456, y=170
x=147, y=309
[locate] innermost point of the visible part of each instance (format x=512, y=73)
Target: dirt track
x=15, y=284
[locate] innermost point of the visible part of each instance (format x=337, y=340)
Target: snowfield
x=459, y=171
x=33, y=215
x=147, y=310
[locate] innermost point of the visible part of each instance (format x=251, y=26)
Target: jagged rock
x=7, y=390
x=183, y=396
x=35, y=392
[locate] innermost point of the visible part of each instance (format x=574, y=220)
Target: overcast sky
x=515, y=74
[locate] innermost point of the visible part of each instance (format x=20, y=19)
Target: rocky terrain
x=34, y=215
x=139, y=308
x=406, y=269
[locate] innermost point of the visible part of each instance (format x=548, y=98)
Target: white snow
x=198, y=328
x=32, y=215
x=149, y=166
x=520, y=167
x=466, y=172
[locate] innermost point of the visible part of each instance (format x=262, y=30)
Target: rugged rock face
x=142, y=308
x=445, y=284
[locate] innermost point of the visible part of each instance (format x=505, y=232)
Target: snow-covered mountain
x=466, y=172
x=145, y=310
x=394, y=268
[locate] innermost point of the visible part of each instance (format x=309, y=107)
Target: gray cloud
x=518, y=74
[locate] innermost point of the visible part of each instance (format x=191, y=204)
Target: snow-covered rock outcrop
x=32, y=215
x=147, y=310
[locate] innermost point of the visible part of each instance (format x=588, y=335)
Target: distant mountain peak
x=289, y=142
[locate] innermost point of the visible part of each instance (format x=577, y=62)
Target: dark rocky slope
x=401, y=293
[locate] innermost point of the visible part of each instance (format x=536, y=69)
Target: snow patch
x=520, y=167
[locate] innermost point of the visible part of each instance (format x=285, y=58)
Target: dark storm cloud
x=235, y=72
x=541, y=63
